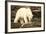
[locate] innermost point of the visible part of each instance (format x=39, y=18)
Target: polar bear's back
x=24, y=12
x=21, y=12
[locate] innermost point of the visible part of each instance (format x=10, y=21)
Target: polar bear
x=23, y=13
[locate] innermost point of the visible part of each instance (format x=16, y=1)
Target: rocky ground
x=35, y=23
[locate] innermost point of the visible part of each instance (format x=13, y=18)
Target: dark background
x=36, y=20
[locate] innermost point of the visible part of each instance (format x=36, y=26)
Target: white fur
x=23, y=13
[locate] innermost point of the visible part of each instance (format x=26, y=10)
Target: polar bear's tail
x=16, y=20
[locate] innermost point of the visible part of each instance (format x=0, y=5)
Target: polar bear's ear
x=28, y=9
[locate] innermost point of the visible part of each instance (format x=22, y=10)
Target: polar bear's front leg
x=25, y=19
